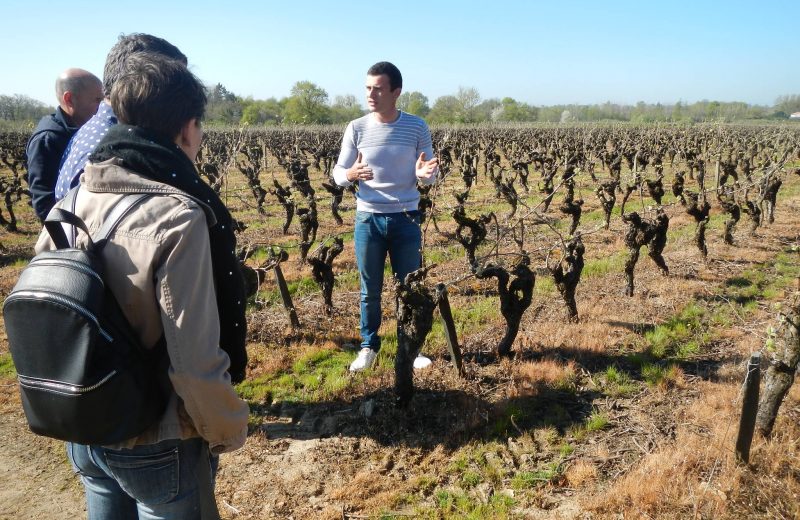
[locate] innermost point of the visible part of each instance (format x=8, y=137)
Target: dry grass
x=581, y=473
x=529, y=377
x=696, y=474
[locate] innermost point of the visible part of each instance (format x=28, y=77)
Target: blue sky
x=542, y=53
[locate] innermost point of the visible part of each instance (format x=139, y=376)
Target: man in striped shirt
x=386, y=152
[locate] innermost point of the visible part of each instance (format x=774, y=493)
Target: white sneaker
x=422, y=362
x=366, y=358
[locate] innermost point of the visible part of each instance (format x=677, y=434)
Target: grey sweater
x=391, y=150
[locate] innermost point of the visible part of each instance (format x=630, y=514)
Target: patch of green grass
x=388, y=351
x=456, y=504
x=319, y=375
x=425, y=484
x=297, y=288
x=659, y=375
x=597, y=421
x=539, y=477
x=468, y=319
x=762, y=281
x=7, y=369
x=598, y=215
x=477, y=463
x=671, y=338
x=348, y=281
x=470, y=479
x=474, y=316
x=545, y=286
x=459, y=464
x=602, y=266
x=616, y=383
x=442, y=254
x=566, y=449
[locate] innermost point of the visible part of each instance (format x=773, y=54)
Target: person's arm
x=349, y=167
x=198, y=367
x=43, y=160
x=69, y=173
x=427, y=166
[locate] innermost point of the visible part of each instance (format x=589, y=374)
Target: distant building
x=795, y=115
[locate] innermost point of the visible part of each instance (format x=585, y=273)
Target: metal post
x=449, y=328
x=747, y=422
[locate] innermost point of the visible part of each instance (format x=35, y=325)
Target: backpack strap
x=118, y=213
x=57, y=216
x=70, y=201
x=53, y=222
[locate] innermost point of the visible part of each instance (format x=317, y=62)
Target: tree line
x=308, y=103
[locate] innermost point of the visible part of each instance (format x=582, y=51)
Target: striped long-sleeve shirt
x=391, y=150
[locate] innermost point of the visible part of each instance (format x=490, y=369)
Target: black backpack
x=83, y=376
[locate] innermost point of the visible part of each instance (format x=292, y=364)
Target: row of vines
x=514, y=198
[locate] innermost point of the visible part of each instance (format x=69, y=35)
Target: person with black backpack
x=161, y=264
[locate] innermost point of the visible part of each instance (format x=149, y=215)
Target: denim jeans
x=377, y=234
x=154, y=481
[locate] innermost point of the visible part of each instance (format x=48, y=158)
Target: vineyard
x=573, y=376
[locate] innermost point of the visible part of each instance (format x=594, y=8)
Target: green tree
x=678, y=111
x=345, y=108
x=444, y=110
x=468, y=98
x=512, y=110
x=262, y=112
x=223, y=106
x=485, y=110
x=414, y=103
x=788, y=104
x=307, y=104
x=22, y=108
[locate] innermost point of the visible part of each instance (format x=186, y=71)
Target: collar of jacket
x=63, y=121
x=111, y=177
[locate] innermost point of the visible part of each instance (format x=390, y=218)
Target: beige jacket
x=158, y=265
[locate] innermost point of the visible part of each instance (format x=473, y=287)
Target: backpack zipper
x=80, y=309
x=60, y=387
x=72, y=264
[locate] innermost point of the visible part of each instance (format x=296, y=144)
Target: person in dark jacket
x=79, y=93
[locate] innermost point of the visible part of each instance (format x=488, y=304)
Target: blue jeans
x=153, y=481
x=377, y=234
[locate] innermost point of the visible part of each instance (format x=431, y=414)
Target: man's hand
x=426, y=169
x=360, y=171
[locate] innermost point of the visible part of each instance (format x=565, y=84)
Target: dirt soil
x=349, y=458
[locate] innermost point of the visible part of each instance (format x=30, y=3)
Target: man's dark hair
x=384, y=67
x=157, y=93
x=127, y=45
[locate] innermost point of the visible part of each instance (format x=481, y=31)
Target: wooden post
x=286, y=297
x=449, y=328
x=747, y=423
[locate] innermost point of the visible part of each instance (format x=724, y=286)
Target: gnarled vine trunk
x=780, y=374
x=415, y=306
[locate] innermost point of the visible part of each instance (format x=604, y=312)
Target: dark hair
x=384, y=67
x=157, y=93
x=127, y=45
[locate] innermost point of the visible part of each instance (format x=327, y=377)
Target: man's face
x=380, y=97
x=85, y=102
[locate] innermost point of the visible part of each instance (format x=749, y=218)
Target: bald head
x=79, y=93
